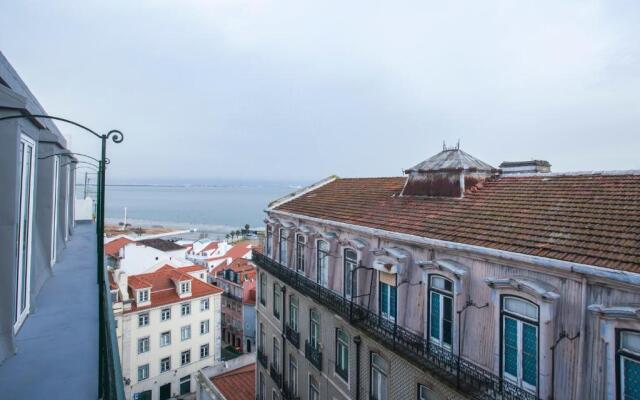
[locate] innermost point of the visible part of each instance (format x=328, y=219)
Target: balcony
x=231, y=296
x=275, y=375
x=262, y=358
x=292, y=335
x=289, y=392
x=313, y=354
x=458, y=372
x=58, y=347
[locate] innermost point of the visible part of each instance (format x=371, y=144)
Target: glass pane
x=384, y=295
x=511, y=346
x=437, y=282
x=392, y=301
x=631, y=379
x=529, y=354
x=521, y=307
x=435, y=316
x=447, y=320
x=631, y=341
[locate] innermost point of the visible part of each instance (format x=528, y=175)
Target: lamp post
x=117, y=137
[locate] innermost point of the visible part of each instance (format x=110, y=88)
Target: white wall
x=137, y=259
x=84, y=209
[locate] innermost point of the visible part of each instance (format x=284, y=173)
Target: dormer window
x=143, y=296
x=185, y=287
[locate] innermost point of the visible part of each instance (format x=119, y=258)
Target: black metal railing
x=313, y=354
x=262, y=358
x=231, y=296
x=275, y=375
x=459, y=372
x=289, y=392
x=292, y=335
x=111, y=371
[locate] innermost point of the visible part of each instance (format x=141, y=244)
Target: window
x=314, y=328
x=165, y=314
x=424, y=393
x=300, y=247
x=185, y=332
x=261, y=388
x=628, y=343
x=25, y=225
x=314, y=391
x=276, y=354
x=350, y=264
x=185, y=287
x=185, y=309
x=185, y=357
x=387, y=301
x=143, y=372
x=322, y=263
x=263, y=288
x=143, y=345
x=378, y=377
x=282, y=247
x=204, y=350
x=165, y=364
x=293, y=375
x=269, y=240
x=54, y=209
x=262, y=337
x=185, y=384
x=143, y=296
x=276, y=300
x=165, y=338
x=441, y=311
x=520, y=342
x=293, y=313
x=204, y=327
x=143, y=319
x=342, y=354
x=204, y=304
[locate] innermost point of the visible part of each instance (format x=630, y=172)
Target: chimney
x=525, y=167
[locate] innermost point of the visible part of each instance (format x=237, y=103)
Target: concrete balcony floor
x=57, y=355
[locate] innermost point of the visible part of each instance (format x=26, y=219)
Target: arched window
x=520, y=342
x=629, y=364
x=322, y=263
x=379, y=378
x=350, y=262
x=441, y=311
x=300, y=247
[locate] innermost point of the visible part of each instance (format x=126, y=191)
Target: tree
x=246, y=228
x=226, y=236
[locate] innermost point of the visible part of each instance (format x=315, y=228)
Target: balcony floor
x=57, y=354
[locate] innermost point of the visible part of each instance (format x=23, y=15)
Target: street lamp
x=117, y=137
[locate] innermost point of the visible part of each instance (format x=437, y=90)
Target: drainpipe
x=357, y=340
x=284, y=339
x=581, y=341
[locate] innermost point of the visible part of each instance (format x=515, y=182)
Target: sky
x=296, y=90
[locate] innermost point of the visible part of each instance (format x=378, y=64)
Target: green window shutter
x=510, y=346
x=631, y=379
x=435, y=316
x=447, y=320
x=529, y=354
x=392, y=301
x=384, y=293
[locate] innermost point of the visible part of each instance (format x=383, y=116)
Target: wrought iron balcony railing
x=292, y=335
x=313, y=354
x=289, y=392
x=262, y=358
x=459, y=372
x=275, y=375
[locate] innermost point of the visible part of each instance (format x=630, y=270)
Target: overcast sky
x=299, y=90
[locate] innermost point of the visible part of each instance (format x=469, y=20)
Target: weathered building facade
x=458, y=281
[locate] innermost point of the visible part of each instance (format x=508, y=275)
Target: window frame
x=276, y=301
x=268, y=240
x=352, y=285
x=144, y=367
x=164, y=343
x=186, y=353
x=342, y=344
x=521, y=320
x=294, y=304
x=143, y=317
x=282, y=246
x=205, y=346
x=54, y=209
x=301, y=244
x=206, y=324
x=442, y=293
x=263, y=288
x=162, y=314
x=384, y=374
x=322, y=263
x=387, y=315
x=314, y=334
x=25, y=233
x=162, y=360
x=204, y=304
x=144, y=345
x=620, y=355
x=186, y=306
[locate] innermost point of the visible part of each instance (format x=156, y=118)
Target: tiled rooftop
x=584, y=218
x=58, y=343
x=238, y=384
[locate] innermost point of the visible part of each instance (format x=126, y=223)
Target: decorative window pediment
x=357, y=243
x=533, y=287
x=451, y=266
x=630, y=311
x=329, y=235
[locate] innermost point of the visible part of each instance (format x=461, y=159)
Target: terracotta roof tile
x=591, y=219
x=113, y=247
x=238, y=384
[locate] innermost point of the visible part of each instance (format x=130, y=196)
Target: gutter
x=564, y=266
